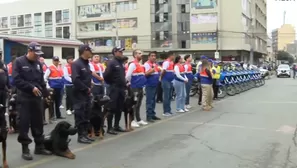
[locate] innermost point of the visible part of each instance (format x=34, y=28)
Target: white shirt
x=165, y=65
x=130, y=70
x=66, y=74
x=177, y=73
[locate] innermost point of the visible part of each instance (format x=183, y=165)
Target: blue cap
x=210, y=60
x=203, y=57
x=105, y=59
x=84, y=47
x=36, y=47
x=56, y=58
x=115, y=49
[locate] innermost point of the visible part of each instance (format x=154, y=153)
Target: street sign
x=217, y=55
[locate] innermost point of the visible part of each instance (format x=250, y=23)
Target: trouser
x=30, y=115
x=82, y=112
x=159, y=92
x=150, y=93
x=3, y=124
x=69, y=97
x=180, y=91
x=188, y=89
x=62, y=95
x=215, y=88
x=97, y=90
x=57, y=101
x=116, y=105
x=200, y=95
x=294, y=74
x=166, y=86
x=138, y=92
x=207, y=95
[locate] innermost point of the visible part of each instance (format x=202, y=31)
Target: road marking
x=51, y=158
x=286, y=129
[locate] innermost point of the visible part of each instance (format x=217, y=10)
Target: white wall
x=22, y=7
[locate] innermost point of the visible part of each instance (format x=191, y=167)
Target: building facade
x=186, y=26
x=50, y=19
x=283, y=36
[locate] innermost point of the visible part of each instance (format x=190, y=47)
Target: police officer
x=81, y=79
x=28, y=79
x=114, y=76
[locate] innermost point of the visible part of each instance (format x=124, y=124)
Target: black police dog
x=98, y=115
x=57, y=141
x=48, y=103
x=12, y=114
x=129, y=103
x=3, y=135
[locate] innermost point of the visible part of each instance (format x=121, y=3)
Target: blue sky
x=275, y=10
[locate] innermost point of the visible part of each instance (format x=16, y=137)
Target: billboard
x=204, y=38
x=204, y=4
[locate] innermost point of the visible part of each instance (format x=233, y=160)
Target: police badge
x=38, y=67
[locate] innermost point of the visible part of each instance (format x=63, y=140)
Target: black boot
x=26, y=155
x=83, y=140
x=40, y=150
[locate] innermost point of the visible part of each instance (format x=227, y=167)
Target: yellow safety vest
x=218, y=72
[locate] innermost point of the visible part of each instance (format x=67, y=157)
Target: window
x=48, y=52
x=66, y=32
x=67, y=52
x=28, y=20
x=21, y=21
x=28, y=32
x=66, y=16
x=59, y=32
x=48, y=17
x=59, y=16
x=14, y=32
x=48, y=31
x=37, y=19
x=13, y=21
x=4, y=22
x=38, y=31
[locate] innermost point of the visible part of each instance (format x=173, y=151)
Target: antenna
x=284, y=21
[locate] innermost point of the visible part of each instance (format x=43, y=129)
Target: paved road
x=255, y=129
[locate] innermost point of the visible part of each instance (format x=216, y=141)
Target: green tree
x=283, y=55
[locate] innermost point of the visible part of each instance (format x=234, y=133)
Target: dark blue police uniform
x=28, y=74
x=114, y=76
x=81, y=79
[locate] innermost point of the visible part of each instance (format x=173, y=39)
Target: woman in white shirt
x=179, y=85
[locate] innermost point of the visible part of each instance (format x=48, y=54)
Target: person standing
x=28, y=79
x=136, y=77
x=198, y=70
x=54, y=76
x=82, y=82
x=216, y=77
x=114, y=76
x=179, y=85
x=159, y=93
x=9, y=69
x=68, y=85
x=97, y=75
x=190, y=77
x=166, y=77
x=152, y=73
x=206, y=85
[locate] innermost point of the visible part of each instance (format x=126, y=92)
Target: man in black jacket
x=81, y=79
x=28, y=79
x=114, y=76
